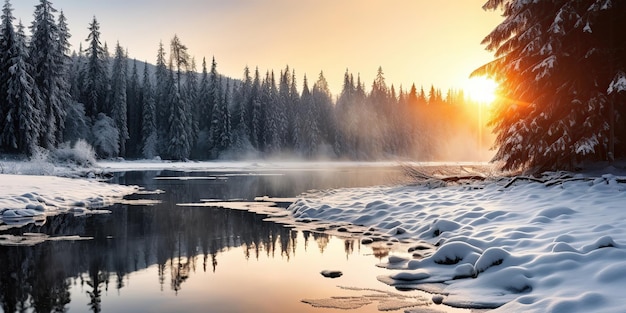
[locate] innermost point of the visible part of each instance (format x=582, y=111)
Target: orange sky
x=415, y=41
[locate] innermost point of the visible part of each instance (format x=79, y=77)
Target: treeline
x=128, y=109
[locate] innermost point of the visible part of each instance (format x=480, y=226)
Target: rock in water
x=331, y=274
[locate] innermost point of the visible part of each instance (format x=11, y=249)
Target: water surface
x=170, y=258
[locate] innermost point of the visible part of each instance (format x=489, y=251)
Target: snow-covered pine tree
x=193, y=102
x=94, y=73
x=215, y=120
x=76, y=78
x=161, y=99
x=554, y=61
x=148, y=121
x=119, y=109
x=220, y=122
x=204, y=104
x=21, y=120
x=256, y=118
x=269, y=110
x=177, y=140
x=133, y=103
x=8, y=107
x=284, y=107
x=239, y=114
x=345, y=113
x=304, y=120
x=225, y=139
x=323, y=131
x=48, y=60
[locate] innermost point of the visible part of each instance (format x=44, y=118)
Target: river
x=152, y=254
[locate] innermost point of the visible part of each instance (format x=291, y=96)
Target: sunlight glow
x=482, y=90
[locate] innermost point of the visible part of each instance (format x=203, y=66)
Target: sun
x=482, y=90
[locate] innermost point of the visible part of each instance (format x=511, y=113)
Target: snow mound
x=523, y=247
x=30, y=199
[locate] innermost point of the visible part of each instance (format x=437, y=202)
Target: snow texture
x=29, y=199
x=525, y=248
x=618, y=84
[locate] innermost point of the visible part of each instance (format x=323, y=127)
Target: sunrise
x=314, y=156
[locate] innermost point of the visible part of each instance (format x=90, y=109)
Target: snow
x=618, y=83
x=28, y=199
x=528, y=247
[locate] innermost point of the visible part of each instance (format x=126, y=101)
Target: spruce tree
x=203, y=100
x=193, y=102
x=148, y=121
x=95, y=73
x=555, y=62
x=239, y=118
x=119, y=109
x=161, y=98
x=177, y=140
x=256, y=122
x=134, y=105
x=21, y=123
x=270, y=115
x=48, y=58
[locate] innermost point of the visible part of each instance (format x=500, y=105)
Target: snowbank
x=524, y=248
x=26, y=199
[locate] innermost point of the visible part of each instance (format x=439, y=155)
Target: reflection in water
x=179, y=241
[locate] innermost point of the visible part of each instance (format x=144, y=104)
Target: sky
x=414, y=41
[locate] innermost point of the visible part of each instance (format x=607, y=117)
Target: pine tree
x=48, y=59
x=148, y=122
x=134, y=105
x=21, y=117
x=95, y=73
x=76, y=78
x=303, y=145
x=220, y=130
x=161, y=98
x=193, y=102
x=204, y=95
x=555, y=61
x=8, y=109
x=119, y=105
x=294, y=111
x=256, y=121
x=215, y=120
x=239, y=118
x=284, y=109
x=346, y=112
x=322, y=113
x=270, y=115
x=178, y=143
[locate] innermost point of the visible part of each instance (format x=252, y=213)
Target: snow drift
x=27, y=199
x=524, y=248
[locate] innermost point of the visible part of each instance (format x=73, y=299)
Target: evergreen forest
x=181, y=109
x=560, y=64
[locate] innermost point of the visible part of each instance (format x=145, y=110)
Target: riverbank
x=512, y=245
x=508, y=244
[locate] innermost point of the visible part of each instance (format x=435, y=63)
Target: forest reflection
x=179, y=241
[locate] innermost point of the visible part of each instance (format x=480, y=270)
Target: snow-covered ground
x=528, y=247
x=30, y=198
